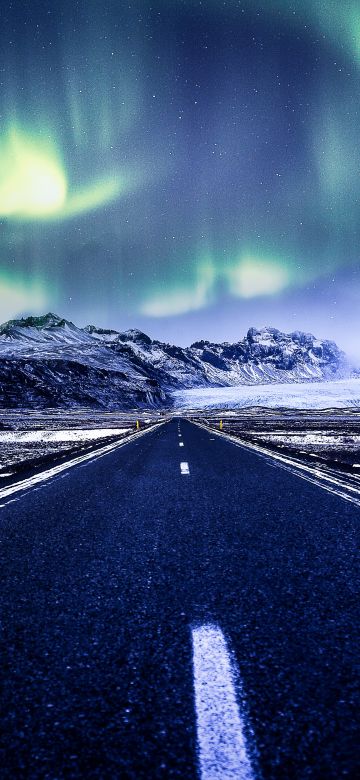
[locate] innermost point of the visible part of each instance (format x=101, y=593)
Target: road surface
x=128, y=582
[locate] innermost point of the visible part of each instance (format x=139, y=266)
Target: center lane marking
x=223, y=753
x=184, y=468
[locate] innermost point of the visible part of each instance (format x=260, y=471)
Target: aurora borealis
x=189, y=168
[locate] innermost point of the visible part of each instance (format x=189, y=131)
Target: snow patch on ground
x=16, y=437
x=320, y=395
x=321, y=438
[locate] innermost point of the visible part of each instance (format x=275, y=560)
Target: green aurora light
x=172, y=160
x=34, y=183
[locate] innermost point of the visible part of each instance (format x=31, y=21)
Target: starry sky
x=187, y=167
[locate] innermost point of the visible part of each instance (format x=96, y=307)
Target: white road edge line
x=184, y=468
x=288, y=464
x=222, y=748
x=44, y=476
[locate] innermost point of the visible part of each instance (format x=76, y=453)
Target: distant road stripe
x=220, y=728
x=184, y=468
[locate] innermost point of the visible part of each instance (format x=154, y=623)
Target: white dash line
x=184, y=468
x=223, y=753
x=181, y=443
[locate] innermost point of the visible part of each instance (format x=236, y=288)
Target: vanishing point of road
x=180, y=607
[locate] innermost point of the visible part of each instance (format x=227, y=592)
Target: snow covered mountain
x=48, y=361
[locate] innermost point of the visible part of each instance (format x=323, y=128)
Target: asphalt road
x=107, y=569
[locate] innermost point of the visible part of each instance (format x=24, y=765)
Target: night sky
x=187, y=168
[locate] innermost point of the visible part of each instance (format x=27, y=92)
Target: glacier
x=48, y=362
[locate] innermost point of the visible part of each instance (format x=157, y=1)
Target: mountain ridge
x=47, y=360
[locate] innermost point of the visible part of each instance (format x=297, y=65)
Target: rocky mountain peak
x=135, y=335
x=48, y=320
x=58, y=360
